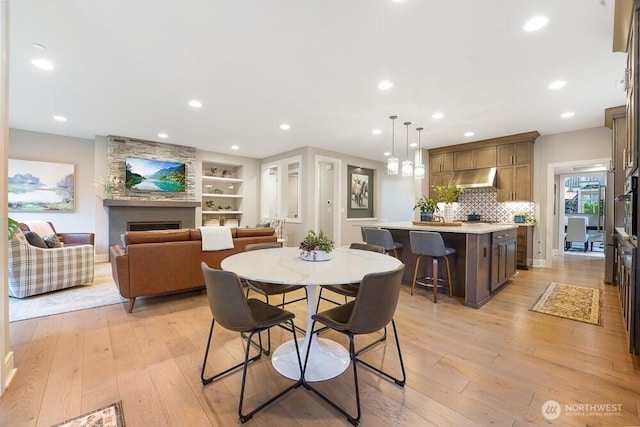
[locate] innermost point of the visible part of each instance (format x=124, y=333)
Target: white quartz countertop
x=465, y=228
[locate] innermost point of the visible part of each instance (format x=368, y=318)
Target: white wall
x=43, y=147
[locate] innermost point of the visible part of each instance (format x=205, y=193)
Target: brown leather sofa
x=165, y=261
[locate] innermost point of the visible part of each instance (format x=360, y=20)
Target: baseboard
x=9, y=370
x=542, y=263
x=101, y=258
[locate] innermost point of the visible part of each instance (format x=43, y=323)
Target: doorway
x=327, y=197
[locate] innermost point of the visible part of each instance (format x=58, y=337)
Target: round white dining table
x=327, y=358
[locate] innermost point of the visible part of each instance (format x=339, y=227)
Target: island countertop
x=465, y=228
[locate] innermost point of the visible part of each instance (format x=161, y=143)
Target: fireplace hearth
x=140, y=215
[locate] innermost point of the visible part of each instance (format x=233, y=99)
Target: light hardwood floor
x=492, y=366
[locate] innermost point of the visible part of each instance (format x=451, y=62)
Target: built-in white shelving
x=221, y=195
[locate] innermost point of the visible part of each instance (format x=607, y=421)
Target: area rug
x=571, y=302
x=109, y=416
x=102, y=291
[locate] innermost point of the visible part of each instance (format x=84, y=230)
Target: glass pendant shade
x=407, y=168
x=407, y=165
x=418, y=171
x=393, y=165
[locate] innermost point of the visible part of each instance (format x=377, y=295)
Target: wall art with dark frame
x=360, y=192
x=41, y=186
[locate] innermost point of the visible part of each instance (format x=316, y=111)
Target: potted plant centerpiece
x=316, y=247
x=427, y=208
x=448, y=194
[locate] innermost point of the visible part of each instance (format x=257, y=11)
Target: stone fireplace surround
x=123, y=212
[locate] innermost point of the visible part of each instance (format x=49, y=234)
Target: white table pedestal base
x=327, y=359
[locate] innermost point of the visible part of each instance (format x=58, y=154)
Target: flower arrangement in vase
x=316, y=247
x=427, y=208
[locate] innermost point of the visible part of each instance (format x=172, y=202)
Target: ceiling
x=129, y=68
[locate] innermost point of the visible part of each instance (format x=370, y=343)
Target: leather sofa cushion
x=259, y=231
x=157, y=236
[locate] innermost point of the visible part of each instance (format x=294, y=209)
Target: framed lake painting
x=41, y=186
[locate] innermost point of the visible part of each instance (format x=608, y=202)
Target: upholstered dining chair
x=382, y=237
x=370, y=312
x=232, y=311
x=430, y=244
x=272, y=289
x=577, y=232
x=349, y=289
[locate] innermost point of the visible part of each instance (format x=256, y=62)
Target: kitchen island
x=484, y=262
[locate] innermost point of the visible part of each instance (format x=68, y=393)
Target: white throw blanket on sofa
x=216, y=238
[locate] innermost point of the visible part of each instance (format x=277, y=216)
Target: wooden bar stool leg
x=415, y=274
x=450, y=281
x=435, y=279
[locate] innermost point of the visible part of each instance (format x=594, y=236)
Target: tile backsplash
x=483, y=201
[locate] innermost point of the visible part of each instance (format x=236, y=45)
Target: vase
x=315, y=256
x=447, y=212
x=426, y=216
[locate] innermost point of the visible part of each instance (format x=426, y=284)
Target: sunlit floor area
x=497, y=365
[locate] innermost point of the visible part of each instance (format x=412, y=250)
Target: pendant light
x=407, y=165
x=418, y=171
x=392, y=162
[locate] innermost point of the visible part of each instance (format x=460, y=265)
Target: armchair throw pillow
x=34, y=239
x=53, y=241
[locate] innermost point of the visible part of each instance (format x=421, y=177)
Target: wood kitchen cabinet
x=476, y=158
x=440, y=170
x=524, y=259
x=512, y=154
x=518, y=153
x=514, y=183
x=503, y=257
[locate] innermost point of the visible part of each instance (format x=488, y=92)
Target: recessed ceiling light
x=387, y=154
x=376, y=131
x=557, y=84
x=163, y=135
x=43, y=64
x=437, y=115
x=59, y=118
x=385, y=85
x=235, y=147
x=38, y=46
x=413, y=145
x=567, y=114
x=195, y=103
x=285, y=126
x=535, y=23
x=468, y=134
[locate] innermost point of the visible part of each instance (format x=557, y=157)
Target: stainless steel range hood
x=475, y=178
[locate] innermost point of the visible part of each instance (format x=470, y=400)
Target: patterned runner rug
x=571, y=302
x=109, y=416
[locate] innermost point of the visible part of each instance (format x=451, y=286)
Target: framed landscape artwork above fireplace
x=35, y=186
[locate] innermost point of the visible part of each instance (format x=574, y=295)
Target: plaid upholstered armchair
x=36, y=270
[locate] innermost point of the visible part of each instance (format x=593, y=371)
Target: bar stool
x=431, y=245
x=382, y=237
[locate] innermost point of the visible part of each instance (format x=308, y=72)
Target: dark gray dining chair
x=371, y=311
x=232, y=311
x=382, y=237
x=272, y=289
x=431, y=245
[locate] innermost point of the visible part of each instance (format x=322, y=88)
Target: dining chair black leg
x=207, y=380
x=246, y=417
x=399, y=381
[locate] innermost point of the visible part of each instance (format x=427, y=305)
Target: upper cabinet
x=615, y=118
x=517, y=153
x=632, y=79
x=476, y=158
x=513, y=156
x=221, y=193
